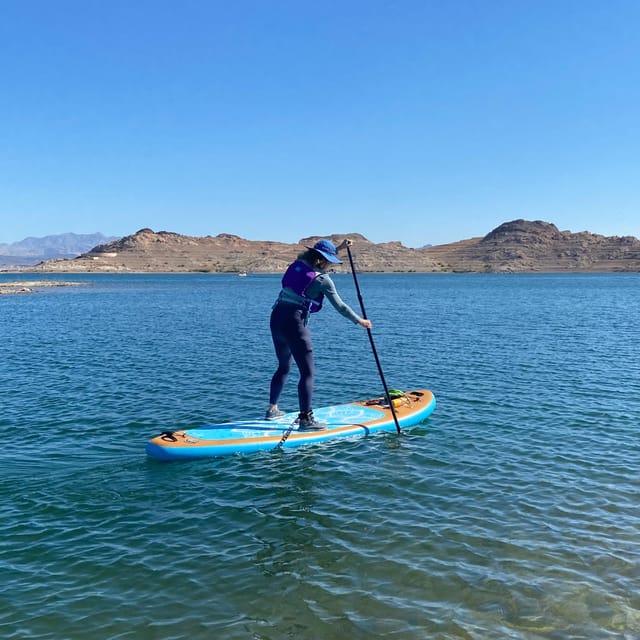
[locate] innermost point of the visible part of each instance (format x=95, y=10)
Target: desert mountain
x=524, y=246
x=33, y=250
x=517, y=246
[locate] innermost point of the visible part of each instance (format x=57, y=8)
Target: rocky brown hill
x=524, y=246
x=517, y=246
x=164, y=251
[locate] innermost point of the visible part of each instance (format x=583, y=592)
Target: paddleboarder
x=305, y=285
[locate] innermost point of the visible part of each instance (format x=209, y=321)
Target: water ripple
x=511, y=513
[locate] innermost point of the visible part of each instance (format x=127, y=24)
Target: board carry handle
x=373, y=346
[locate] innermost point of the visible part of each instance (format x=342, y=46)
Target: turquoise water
x=511, y=513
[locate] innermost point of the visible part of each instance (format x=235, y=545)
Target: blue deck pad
x=335, y=416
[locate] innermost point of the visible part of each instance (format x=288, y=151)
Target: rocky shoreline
x=29, y=286
x=519, y=246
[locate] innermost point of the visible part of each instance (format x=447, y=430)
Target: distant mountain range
x=516, y=246
x=31, y=250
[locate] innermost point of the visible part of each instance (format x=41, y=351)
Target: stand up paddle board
x=343, y=421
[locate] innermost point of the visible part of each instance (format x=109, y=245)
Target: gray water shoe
x=308, y=423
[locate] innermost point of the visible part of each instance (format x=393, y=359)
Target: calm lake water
x=513, y=512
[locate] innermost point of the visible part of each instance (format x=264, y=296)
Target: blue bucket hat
x=327, y=250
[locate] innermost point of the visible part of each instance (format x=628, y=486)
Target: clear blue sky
x=415, y=120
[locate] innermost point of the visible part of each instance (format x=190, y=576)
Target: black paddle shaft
x=373, y=346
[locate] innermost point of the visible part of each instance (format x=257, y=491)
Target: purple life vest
x=298, y=276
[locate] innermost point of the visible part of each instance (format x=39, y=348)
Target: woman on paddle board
x=305, y=285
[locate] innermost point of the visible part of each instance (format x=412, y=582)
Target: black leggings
x=292, y=341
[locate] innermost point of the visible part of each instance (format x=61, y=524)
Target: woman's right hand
x=365, y=322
